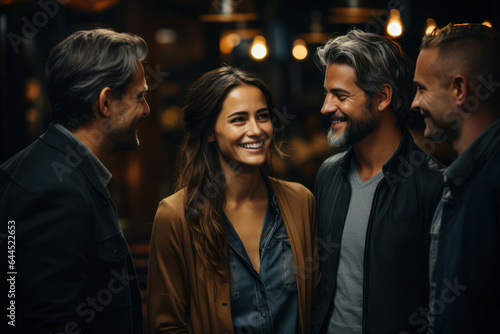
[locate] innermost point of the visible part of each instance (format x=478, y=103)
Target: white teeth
x=337, y=121
x=253, y=145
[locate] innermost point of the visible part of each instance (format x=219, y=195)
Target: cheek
x=268, y=128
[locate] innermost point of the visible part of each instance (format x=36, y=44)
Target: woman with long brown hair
x=233, y=250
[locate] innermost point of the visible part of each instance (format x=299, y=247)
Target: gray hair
x=83, y=64
x=376, y=60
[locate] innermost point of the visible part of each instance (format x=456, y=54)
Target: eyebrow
x=244, y=113
x=337, y=90
x=418, y=84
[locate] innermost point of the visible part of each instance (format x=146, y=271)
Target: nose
x=147, y=110
x=329, y=105
x=254, y=129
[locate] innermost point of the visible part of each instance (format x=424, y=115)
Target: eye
x=238, y=120
x=263, y=116
x=341, y=97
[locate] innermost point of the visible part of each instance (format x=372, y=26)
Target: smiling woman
x=243, y=128
x=233, y=250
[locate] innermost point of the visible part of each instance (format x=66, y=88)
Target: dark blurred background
x=187, y=38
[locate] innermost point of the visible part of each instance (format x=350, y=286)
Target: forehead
x=426, y=62
x=340, y=75
x=244, y=95
x=139, y=80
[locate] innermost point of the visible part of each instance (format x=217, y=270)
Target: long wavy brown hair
x=200, y=171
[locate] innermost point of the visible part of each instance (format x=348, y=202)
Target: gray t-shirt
x=348, y=301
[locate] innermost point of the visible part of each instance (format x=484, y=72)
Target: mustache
x=338, y=117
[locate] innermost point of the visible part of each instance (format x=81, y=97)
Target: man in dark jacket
x=375, y=201
x=458, y=81
x=70, y=269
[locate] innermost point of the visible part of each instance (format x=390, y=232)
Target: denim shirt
x=265, y=303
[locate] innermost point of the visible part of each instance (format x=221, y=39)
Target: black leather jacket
x=395, y=282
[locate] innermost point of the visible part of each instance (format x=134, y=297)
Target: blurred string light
x=299, y=50
x=258, y=50
x=430, y=26
x=488, y=24
x=395, y=25
x=228, y=42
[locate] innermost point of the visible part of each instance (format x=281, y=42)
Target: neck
x=92, y=136
x=244, y=185
x=371, y=153
x=472, y=127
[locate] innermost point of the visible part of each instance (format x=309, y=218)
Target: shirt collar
x=474, y=157
x=103, y=173
x=270, y=191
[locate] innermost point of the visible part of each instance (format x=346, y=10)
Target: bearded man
x=375, y=202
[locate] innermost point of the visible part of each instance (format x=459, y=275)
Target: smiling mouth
x=253, y=145
x=338, y=120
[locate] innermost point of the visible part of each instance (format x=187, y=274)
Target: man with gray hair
x=458, y=79
x=375, y=201
x=70, y=268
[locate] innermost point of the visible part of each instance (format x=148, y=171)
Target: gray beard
x=353, y=133
x=337, y=141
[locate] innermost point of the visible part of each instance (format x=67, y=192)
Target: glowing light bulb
x=430, y=26
x=395, y=26
x=259, y=48
x=299, y=50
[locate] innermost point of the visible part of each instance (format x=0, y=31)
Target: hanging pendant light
x=230, y=11
x=353, y=11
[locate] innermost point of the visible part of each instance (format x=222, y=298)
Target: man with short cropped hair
x=74, y=269
x=458, y=81
x=376, y=201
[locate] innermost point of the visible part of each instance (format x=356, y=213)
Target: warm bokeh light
x=165, y=36
x=488, y=24
x=299, y=50
x=395, y=25
x=228, y=42
x=259, y=48
x=430, y=25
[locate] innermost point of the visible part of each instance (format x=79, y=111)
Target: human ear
x=459, y=89
x=104, y=101
x=384, y=97
x=211, y=137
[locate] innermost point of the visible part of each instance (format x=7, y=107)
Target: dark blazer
x=74, y=268
x=395, y=268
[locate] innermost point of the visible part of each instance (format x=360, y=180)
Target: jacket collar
x=474, y=157
x=406, y=144
x=76, y=156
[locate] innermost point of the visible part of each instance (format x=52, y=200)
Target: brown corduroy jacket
x=182, y=297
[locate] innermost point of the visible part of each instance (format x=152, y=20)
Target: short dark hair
x=83, y=64
x=376, y=60
x=475, y=48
